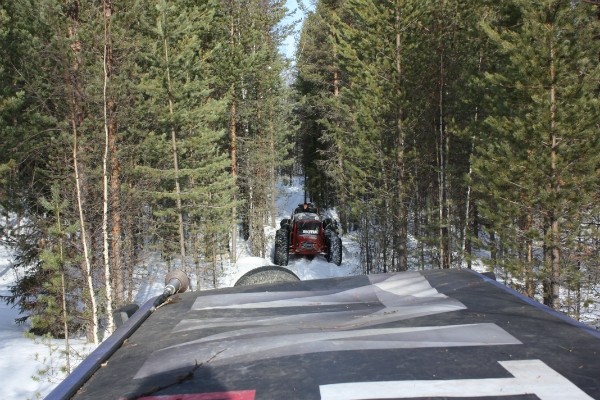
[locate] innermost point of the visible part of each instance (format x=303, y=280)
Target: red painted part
x=237, y=395
x=308, y=244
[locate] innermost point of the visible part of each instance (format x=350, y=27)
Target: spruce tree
x=57, y=301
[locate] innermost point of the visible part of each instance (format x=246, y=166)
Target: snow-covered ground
x=17, y=361
x=22, y=358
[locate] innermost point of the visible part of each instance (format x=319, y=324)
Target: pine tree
x=25, y=126
x=538, y=166
x=317, y=87
x=373, y=53
x=259, y=100
x=185, y=111
x=32, y=134
x=57, y=300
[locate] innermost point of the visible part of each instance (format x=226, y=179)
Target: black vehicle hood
x=417, y=335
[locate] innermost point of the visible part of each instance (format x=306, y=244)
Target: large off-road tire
x=285, y=223
x=267, y=274
x=330, y=225
x=334, y=250
x=281, y=256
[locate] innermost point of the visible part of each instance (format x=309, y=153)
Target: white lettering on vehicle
x=310, y=232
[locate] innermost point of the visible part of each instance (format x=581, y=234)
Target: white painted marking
x=252, y=345
x=529, y=377
x=400, y=290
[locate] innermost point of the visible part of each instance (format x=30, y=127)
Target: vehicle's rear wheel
x=285, y=223
x=334, y=250
x=281, y=256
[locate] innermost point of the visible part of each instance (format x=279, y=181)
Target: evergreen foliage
x=138, y=86
x=537, y=164
x=58, y=299
x=461, y=124
x=261, y=119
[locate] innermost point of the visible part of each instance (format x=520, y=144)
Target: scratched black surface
x=561, y=344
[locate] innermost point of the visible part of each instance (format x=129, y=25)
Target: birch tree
x=108, y=133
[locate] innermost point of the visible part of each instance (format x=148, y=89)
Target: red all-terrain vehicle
x=307, y=234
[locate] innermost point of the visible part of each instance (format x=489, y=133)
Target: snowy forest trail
x=289, y=197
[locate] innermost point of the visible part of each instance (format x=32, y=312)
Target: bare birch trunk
x=75, y=121
x=84, y=238
x=107, y=274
